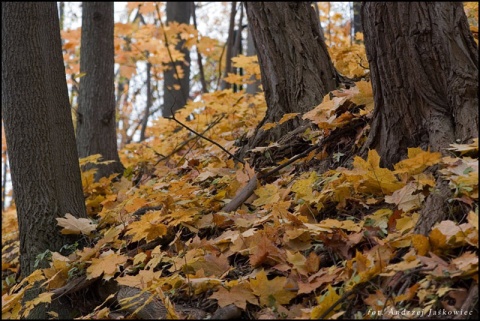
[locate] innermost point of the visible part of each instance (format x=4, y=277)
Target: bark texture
x=38, y=127
x=424, y=71
x=176, y=98
x=96, y=126
x=296, y=69
x=40, y=136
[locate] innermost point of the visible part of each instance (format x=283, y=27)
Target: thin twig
x=207, y=139
x=185, y=142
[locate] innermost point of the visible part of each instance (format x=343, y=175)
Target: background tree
x=96, y=126
x=176, y=91
x=357, y=17
x=253, y=88
x=296, y=68
x=39, y=129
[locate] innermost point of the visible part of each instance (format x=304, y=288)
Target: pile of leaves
x=309, y=243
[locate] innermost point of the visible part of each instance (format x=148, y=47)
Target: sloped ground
x=325, y=235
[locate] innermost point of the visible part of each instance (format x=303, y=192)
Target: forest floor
x=326, y=235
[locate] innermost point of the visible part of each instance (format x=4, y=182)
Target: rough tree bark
x=296, y=69
x=424, y=70
x=39, y=131
x=174, y=99
x=96, y=126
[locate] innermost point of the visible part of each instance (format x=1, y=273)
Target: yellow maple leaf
x=368, y=176
x=45, y=297
x=304, y=187
x=106, y=264
x=324, y=303
x=271, y=292
x=267, y=194
x=418, y=160
x=142, y=280
x=149, y=227
x=73, y=225
x=364, y=96
x=346, y=225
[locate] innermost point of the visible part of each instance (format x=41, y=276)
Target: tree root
x=435, y=207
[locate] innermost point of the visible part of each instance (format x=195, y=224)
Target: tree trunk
x=253, y=88
x=357, y=17
x=199, y=56
x=424, y=71
x=174, y=99
x=96, y=126
x=230, y=45
x=296, y=69
x=39, y=131
x=148, y=106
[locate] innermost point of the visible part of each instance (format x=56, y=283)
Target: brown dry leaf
x=467, y=264
x=409, y=293
x=212, y=264
x=271, y=292
x=436, y=266
x=376, y=300
x=263, y=250
x=323, y=276
x=238, y=295
x=73, y=225
x=405, y=198
x=458, y=296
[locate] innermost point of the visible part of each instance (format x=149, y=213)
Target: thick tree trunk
x=96, y=126
x=296, y=69
x=424, y=71
x=176, y=98
x=38, y=127
x=39, y=131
